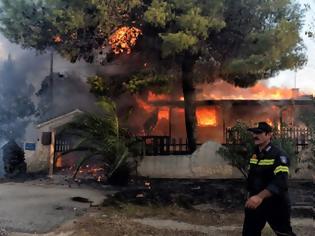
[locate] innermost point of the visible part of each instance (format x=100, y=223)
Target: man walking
x=267, y=184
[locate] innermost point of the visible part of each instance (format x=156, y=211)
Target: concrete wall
x=41, y=158
x=37, y=160
x=204, y=163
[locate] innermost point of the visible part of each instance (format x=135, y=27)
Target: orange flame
x=124, y=39
x=157, y=97
x=144, y=105
x=57, y=39
x=59, y=163
x=206, y=116
x=163, y=113
x=223, y=90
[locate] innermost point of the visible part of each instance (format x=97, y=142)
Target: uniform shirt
x=269, y=170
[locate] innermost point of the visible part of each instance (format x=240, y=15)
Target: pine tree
x=238, y=41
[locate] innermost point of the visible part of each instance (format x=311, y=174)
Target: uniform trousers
x=275, y=212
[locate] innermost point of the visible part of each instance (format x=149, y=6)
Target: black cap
x=261, y=128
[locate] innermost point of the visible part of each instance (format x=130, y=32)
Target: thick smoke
x=69, y=92
x=31, y=70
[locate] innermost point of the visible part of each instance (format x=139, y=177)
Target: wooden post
x=168, y=143
x=174, y=146
x=170, y=121
x=180, y=145
x=52, y=154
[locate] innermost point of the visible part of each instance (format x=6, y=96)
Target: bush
x=242, y=146
x=239, y=151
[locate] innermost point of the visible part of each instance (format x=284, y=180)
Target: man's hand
x=253, y=202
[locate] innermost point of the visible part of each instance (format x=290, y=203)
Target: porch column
x=51, y=154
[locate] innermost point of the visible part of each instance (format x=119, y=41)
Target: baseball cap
x=262, y=127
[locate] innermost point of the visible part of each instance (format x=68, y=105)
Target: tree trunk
x=189, y=102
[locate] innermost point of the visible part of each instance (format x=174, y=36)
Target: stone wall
x=305, y=168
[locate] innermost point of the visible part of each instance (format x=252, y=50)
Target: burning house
x=217, y=110
x=219, y=107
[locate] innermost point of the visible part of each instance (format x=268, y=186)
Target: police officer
x=268, y=199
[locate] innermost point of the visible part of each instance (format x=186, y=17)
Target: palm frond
x=99, y=134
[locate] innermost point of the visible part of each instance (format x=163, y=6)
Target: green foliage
x=269, y=42
x=183, y=24
x=99, y=135
x=310, y=32
x=158, y=14
x=174, y=43
x=239, y=151
x=194, y=23
x=156, y=82
x=252, y=39
x=99, y=86
x=79, y=26
x=288, y=145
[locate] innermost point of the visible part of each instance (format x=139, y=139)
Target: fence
x=300, y=136
x=164, y=145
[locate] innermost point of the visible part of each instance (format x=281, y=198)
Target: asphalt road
x=35, y=208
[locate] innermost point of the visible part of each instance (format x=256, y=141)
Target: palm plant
x=99, y=135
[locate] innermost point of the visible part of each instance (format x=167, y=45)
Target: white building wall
x=204, y=163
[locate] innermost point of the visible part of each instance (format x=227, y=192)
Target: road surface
x=38, y=208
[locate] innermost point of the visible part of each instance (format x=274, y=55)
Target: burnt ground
x=172, y=207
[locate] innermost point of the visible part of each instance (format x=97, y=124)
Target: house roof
x=240, y=102
x=58, y=119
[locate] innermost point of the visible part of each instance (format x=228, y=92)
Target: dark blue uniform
x=269, y=170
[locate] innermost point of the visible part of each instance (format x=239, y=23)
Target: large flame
x=124, y=39
x=223, y=90
x=206, y=116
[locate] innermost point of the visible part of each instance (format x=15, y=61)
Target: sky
x=305, y=77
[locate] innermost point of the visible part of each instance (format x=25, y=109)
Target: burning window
x=206, y=116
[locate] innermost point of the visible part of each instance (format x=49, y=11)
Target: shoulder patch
x=283, y=159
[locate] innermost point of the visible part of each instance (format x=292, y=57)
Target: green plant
x=240, y=148
x=99, y=135
x=288, y=146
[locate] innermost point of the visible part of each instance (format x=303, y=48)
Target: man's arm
x=264, y=194
x=254, y=201
x=279, y=182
